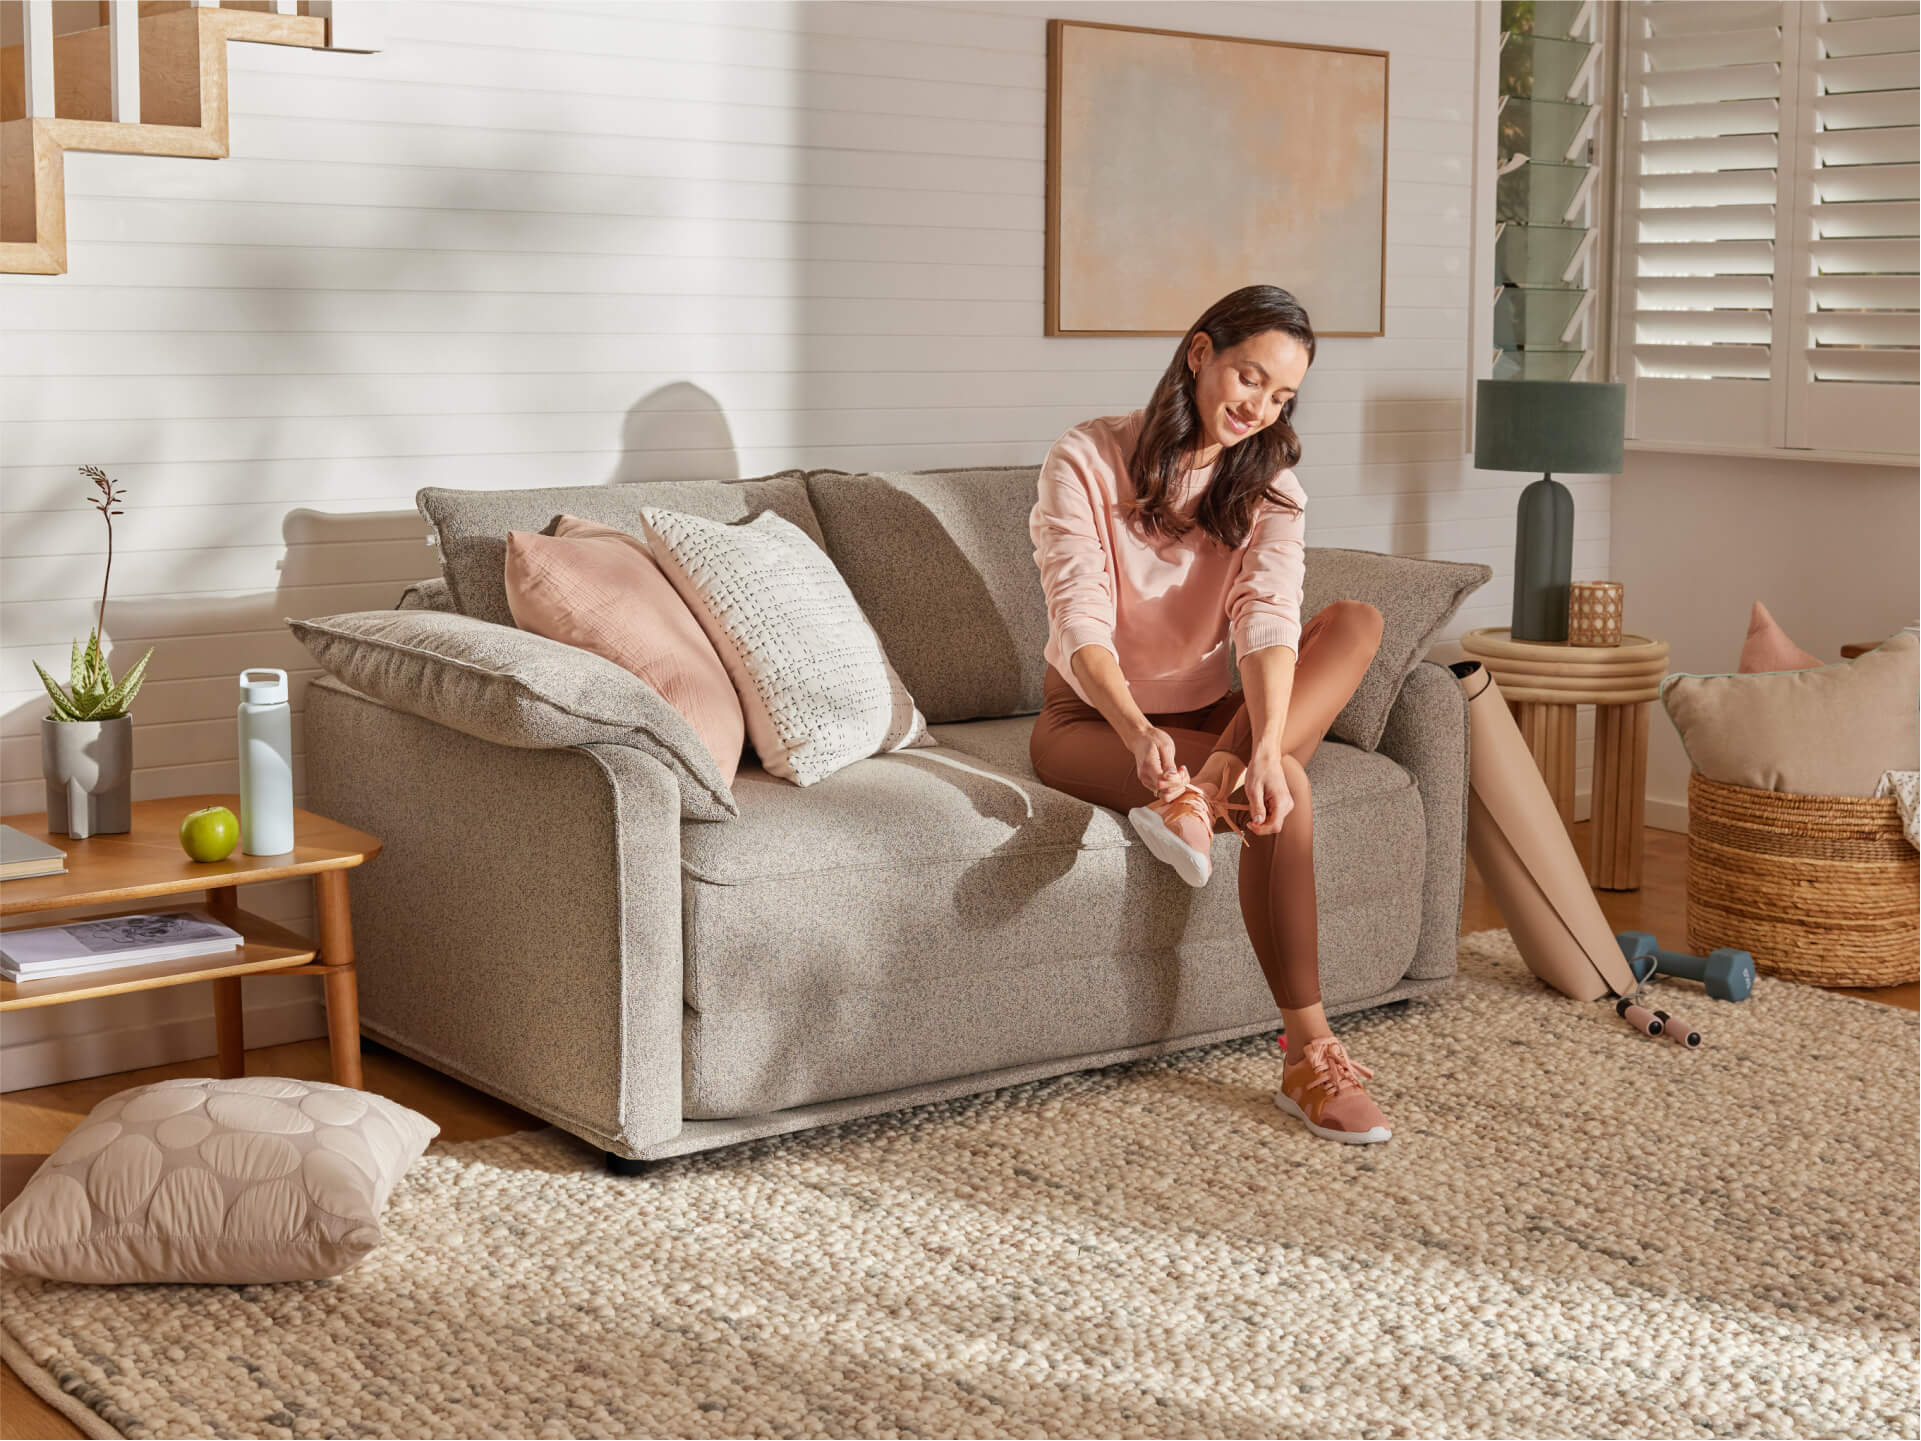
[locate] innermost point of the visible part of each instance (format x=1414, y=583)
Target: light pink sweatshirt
x=1165, y=609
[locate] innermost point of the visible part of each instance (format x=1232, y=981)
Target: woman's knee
x=1298, y=785
x=1358, y=620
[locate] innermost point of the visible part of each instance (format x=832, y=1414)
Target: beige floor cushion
x=1834, y=731
x=233, y=1182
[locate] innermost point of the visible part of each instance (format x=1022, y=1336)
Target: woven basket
x=1815, y=888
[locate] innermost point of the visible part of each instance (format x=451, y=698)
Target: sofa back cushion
x=942, y=564
x=1416, y=599
x=471, y=525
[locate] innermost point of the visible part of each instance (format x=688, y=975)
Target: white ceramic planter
x=88, y=767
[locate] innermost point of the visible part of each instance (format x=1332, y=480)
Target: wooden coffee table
x=146, y=865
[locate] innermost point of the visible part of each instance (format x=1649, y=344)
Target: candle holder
x=1594, y=612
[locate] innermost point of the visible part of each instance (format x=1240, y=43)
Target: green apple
x=210, y=834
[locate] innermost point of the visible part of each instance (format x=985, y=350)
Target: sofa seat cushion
x=954, y=860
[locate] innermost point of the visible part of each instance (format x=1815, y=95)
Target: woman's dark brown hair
x=1171, y=431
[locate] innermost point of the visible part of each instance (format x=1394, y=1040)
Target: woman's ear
x=1199, y=349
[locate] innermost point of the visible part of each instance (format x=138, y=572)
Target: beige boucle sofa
x=546, y=923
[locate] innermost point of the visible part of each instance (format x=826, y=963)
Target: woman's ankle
x=1221, y=773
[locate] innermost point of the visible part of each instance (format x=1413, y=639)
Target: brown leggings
x=1075, y=750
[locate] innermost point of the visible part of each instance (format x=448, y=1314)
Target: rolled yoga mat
x=1524, y=855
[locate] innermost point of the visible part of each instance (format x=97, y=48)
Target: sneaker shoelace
x=1204, y=807
x=1335, y=1070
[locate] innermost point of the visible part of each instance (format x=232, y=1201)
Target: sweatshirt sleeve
x=1264, y=602
x=1068, y=549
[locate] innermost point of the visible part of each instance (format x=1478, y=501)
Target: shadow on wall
x=677, y=432
x=185, y=740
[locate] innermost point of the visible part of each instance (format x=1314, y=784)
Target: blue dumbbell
x=1728, y=974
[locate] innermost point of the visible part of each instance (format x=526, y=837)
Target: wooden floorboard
x=33, y=1122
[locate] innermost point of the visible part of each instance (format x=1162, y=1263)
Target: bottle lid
x=258, y=691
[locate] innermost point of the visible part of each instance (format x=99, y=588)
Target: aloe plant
x=91, y=693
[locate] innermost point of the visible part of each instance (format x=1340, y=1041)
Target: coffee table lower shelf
x=266, y=949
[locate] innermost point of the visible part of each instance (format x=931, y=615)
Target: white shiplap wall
x=572, y=243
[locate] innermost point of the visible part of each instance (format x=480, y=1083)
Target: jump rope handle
x=1640, y=1017
x=1678, y=1031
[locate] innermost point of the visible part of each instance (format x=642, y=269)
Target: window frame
x=1785, y=403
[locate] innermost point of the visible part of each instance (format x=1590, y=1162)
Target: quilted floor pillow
x=813, y=679
x=235, y=1182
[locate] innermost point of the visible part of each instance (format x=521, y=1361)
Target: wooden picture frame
x=1332, y=257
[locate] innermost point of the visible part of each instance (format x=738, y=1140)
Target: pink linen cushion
x=1768, y=647
x=591, y=586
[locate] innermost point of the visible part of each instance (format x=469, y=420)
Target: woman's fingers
x=1169, y=757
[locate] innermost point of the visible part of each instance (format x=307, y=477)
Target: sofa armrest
x=520, y=929
x=514, y=688
x=1426, y=735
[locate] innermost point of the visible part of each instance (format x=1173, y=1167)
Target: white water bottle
x=266, y=763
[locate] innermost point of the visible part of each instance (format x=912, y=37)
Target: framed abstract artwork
x=1181, y=167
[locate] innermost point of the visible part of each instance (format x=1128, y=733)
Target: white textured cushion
x=235, y=1182
x=815, y=685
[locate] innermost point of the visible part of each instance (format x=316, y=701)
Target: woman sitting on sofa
x=1160, y=535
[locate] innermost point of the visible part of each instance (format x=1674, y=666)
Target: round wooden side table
x=1546, y=682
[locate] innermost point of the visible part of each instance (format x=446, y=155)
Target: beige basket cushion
x=233, y=1182
x=1833, y=731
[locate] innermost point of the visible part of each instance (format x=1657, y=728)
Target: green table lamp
x=1546, y=425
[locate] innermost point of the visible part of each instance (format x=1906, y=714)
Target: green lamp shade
x=1549, y=425
x=1546, y=425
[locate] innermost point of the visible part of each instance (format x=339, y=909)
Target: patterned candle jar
x=1594, y=612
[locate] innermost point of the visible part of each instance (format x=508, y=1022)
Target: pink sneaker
x=1322, y=1090
x=1179, y=829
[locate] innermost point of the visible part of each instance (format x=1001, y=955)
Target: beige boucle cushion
x=234, y=1182
x=1828, y=732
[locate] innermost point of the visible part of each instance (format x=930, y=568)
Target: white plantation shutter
x=1853, y=373
x=1768, y=206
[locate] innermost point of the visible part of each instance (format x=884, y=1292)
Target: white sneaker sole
x=1350, y=1138
x=1191, y=865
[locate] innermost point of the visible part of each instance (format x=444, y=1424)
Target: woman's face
x=1242, y=390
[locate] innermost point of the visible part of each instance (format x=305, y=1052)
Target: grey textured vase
x=88, y=766
x=1543, y=561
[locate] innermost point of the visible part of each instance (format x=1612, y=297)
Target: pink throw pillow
x=1768, y=647
x=598, y=588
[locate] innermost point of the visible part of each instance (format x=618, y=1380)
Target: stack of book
x=22, y=856
x=107, y=943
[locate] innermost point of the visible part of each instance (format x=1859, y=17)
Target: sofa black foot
x=627, y=1166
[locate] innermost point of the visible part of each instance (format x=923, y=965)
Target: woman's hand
x=1269, y=798
x=1155, y=762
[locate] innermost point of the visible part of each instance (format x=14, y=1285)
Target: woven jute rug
x=1576, y=1231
